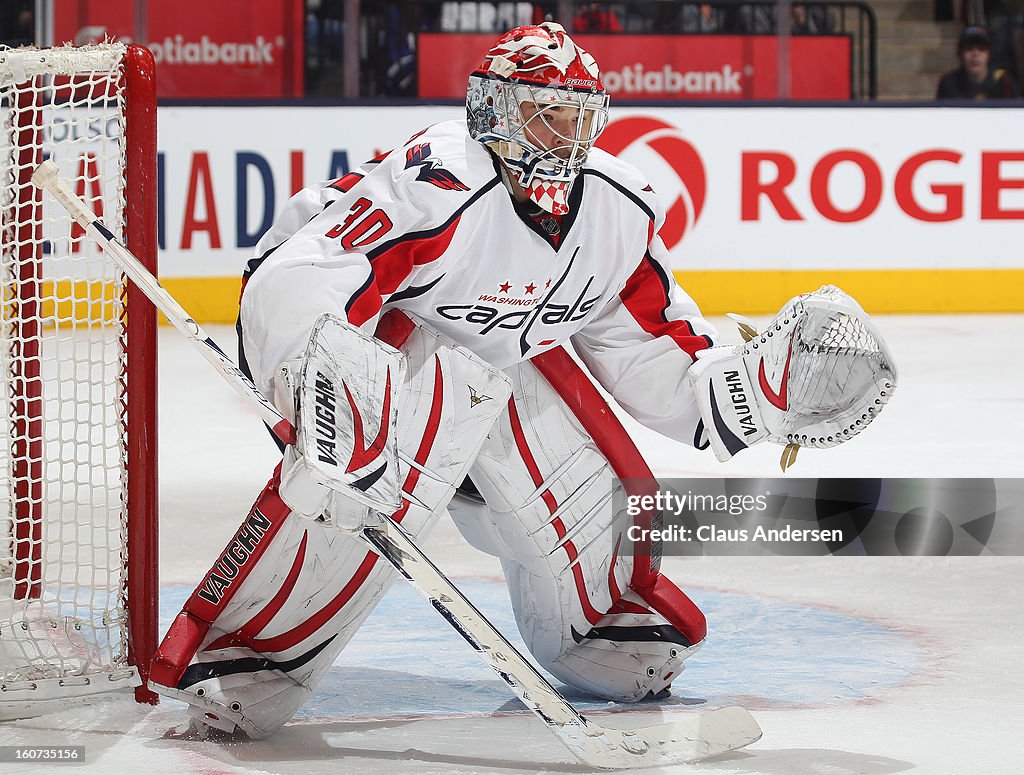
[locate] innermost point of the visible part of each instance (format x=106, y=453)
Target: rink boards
x=911, y=209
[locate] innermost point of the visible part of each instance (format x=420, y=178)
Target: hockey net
x=77, y=381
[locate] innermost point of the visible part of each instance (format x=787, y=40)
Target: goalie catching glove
x=816, y=376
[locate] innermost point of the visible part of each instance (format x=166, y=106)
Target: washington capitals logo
x=486, y=316
x=431, y=170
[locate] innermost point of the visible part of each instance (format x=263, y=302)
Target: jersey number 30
x=361, y=227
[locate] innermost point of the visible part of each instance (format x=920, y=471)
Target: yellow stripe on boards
x=206, y=299
x=757, y=292
x=754, y=292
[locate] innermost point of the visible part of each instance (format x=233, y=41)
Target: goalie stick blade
x=691, y=739
x=687, y=740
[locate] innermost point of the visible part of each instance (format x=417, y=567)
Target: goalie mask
x=537, y=101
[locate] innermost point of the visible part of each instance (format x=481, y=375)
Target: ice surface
x=851, y=665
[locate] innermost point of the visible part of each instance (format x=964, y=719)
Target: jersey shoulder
x=420, y=185
x=623, y=177
x=441, y=158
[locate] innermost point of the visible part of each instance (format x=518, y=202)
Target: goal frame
x=140, y=224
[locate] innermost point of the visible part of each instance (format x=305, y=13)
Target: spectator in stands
x=701, y=17
x=974, y=80
x=596, y=17
x=17, y=23
x=810, y=20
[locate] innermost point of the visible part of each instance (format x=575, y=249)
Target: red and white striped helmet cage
x=538, y=102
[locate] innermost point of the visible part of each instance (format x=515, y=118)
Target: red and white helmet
x=537, y=101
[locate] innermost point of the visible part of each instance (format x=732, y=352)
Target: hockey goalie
x=412, y=318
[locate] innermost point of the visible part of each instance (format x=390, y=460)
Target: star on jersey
x=503, y=288
x=432, y=170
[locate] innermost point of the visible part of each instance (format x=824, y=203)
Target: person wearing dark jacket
x=975, y=79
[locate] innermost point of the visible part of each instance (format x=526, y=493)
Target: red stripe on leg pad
x=672, y=603
x=592, y=614
x=182, y=641
x=296, y=635
x=626, y=607
x=244, y=634
x=220, y=584
x=576, y=389
x=613, y=586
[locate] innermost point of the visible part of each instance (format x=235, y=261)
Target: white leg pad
x=549, y=517
x=251, y=658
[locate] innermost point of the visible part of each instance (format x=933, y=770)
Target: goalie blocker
x=288, y=592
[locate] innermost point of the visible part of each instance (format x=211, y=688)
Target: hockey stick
x=695, y=737
x=46, y=176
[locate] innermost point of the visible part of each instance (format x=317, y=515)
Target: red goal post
x=78, y=431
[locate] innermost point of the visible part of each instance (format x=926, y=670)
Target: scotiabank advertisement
x=925, y=203
x=668, y=67
x=203, y=50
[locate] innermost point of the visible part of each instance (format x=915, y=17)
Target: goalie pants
x=287, y=594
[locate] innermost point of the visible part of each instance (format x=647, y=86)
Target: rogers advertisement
x=839, y=188
x=667, y=67
x=203, y=50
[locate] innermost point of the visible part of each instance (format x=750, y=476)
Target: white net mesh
x=63, y=383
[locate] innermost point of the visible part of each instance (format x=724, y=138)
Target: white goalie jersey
x=430, y=228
